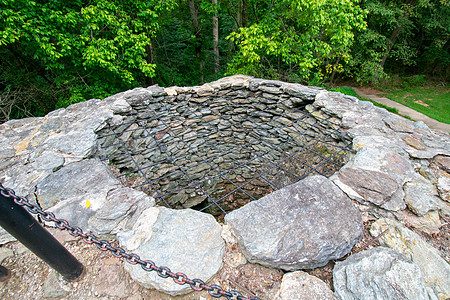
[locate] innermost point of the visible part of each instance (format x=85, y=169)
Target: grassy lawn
x=432, y=101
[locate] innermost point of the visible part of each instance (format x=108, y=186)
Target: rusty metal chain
x=132, y=258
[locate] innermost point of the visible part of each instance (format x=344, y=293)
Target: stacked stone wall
x=207, y=131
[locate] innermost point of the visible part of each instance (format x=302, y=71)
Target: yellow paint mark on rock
x=88, y=203
x=358, y=145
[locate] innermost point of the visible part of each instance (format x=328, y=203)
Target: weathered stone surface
x=413, y=141
x=137, y=96
x=77, y=191
x=378, y=273
x=443, y=185
x=392, y=144
x=398, y=124
x=122, y=208
x=301, y=92
x=185, y=240
x=302, y=286
x=429, y=223
x=49, y=160
x=425, y=144
x=79, y=122
x=443, y=162
x=234, y=257
x=421, y=196
x=5, y=237
x=55, y=286
x=435, y=270
x=111, y=280
x=374, y=186
x=5, y=253
x=376, y=175
x=301, y=226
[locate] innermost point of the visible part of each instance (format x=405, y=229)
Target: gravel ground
x=105, y=277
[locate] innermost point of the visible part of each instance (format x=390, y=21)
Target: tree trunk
x=198, y=38
x=149, y=59
x=244, y=13
x=435, y=65
x=392, y=40
x=216, y=38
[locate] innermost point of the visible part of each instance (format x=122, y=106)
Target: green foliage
x=77, y=49
x=402, y=36
x=183, y=54
x=55, y=53
x=311, y=39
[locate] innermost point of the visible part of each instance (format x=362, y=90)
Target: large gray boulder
x=378, y=273
x=186, y=241
x=301, y=226
x=121, y=210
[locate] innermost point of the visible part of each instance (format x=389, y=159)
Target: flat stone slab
x=186, y=240
x=301, y=226
x=421, y=196
x=378, y=273
x=375, y=175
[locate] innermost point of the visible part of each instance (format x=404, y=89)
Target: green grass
x=433, y=101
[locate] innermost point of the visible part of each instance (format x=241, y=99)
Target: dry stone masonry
x=398, y=175
x=192, y=146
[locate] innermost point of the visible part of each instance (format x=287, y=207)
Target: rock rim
x=390, y=151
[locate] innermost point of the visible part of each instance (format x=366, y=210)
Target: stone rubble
x=400, y=170
x=379, y=273
x=435, y=270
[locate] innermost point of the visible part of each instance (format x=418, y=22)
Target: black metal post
x=20, y=224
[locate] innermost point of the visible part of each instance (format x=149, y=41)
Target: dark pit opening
x=217, y=152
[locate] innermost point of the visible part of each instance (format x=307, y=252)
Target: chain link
x=164, y=272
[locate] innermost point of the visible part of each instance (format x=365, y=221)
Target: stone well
x=217, y=147
x=290, y=173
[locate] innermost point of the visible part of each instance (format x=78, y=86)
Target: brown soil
x=370, y=91
x=421, y=103
x=105, y=277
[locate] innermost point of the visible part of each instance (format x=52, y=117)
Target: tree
x=215, y=31
x=76, y=49
x=401, y=35
x=298, y=39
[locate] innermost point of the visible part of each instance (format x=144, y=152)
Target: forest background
x=54, y=53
